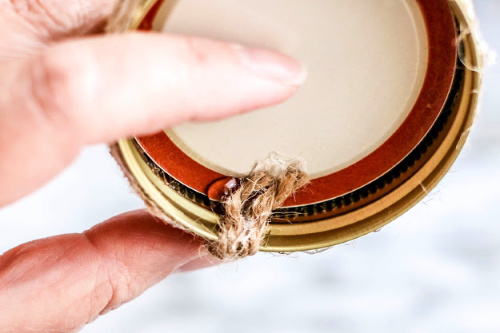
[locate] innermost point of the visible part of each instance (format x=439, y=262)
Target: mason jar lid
x=389, y=101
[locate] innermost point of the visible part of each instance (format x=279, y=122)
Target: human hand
x=60, y=92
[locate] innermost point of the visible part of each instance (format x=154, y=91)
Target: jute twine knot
x=248, y=210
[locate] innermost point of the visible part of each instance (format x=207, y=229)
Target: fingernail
x=273, y=65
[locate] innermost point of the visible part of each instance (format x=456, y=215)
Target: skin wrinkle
x=106, y=282
x=27, y=30
x=25, y=37
x=122, y=279
x=58, y=90
x=103, y=290
x=35, y=16
x=58, y=24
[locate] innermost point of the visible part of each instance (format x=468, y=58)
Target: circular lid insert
x=380, y=74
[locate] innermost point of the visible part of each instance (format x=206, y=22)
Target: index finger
x=104, y=88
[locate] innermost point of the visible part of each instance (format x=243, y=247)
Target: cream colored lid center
x=366, y=59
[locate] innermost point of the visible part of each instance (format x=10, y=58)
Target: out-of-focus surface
x=437, y=269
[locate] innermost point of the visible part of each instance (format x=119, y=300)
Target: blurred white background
x=436, y=269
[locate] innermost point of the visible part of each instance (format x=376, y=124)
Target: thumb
x=61, y=283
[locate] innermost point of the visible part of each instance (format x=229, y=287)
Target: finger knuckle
x=197, y=50
x=58, y=82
